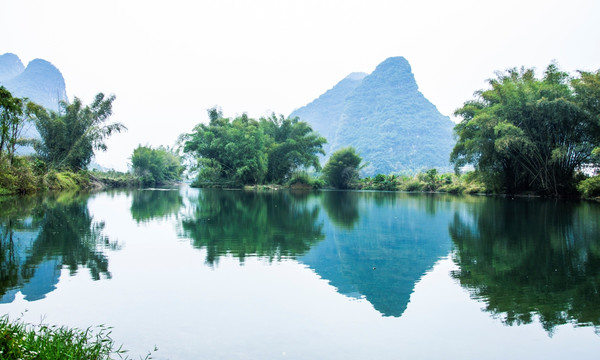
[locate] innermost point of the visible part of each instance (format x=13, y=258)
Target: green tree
x=587, y=95
x=342, y=168
x=69, y=138
x=527, y=134
x=292, y=145
x=156, y=166
x=228, y=150
x=14, y=115
x=246, y=151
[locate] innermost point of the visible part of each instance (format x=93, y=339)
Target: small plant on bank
x=44, y=342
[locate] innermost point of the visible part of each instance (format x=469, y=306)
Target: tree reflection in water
x=273, y=225
x=531, y=258
x=150, y=204
x=39, y=237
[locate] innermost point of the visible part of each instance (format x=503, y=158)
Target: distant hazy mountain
x=40, y=81
x=10, y=66
x=324, y=112
x=385, y=117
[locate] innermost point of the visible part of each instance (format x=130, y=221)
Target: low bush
x=17, y=178
x=452, y=188
x=590, y=188
x=303, y=178
x=414, y=185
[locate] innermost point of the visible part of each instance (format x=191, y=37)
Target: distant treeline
x=521, y=135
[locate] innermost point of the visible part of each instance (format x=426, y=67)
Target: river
x=222, y=274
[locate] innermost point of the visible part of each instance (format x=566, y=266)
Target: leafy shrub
x=301, y=177
x=590, y=188
x=414, y=185
x=18, y=178
x=452, y=188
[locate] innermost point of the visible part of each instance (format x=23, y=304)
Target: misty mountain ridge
x=40, y=82
x=386, y=118
x=10, y=66
x=324, y=112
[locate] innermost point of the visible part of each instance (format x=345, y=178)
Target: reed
x=19, y=340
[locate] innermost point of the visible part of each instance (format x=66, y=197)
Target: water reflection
x=381, y=253
x=341, y=207
x=528, y=259
x=39, y=237
x=271, y=225
x=367, y=244
x=149, y=204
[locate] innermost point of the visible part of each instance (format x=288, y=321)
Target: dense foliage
x=529, y=134
x=342, y=168
x=156, y=166
x=14, y=115
x=247, y=151
x=590, y=188
x=291, y=144
x=70, y=137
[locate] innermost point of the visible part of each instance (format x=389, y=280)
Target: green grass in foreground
x=24, y=341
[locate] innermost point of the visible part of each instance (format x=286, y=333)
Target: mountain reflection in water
x=378, y=245
x=524, y=259
x=39, y=237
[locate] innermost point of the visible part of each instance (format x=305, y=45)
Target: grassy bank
x=25, y=341
x=26, y=176
x=115, y=179
x=429, y=181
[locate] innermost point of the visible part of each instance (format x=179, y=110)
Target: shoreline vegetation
x=22, y=341
x=523, y=136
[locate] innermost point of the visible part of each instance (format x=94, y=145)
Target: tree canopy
x=342, y=168
x=156, y=166
x=70, y=137
x=529, y=134
x=14, y=114
x=248, y=151
x=291, y=144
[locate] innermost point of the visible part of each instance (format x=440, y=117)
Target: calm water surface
x=211, y=274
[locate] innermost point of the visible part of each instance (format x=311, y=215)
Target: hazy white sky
x=168, y=61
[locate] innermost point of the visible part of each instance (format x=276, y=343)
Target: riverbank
x=24, y=176
x=28, y=176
